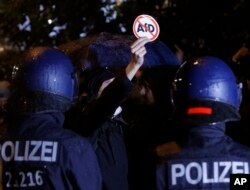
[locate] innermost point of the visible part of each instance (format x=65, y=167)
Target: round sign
x=146, y=26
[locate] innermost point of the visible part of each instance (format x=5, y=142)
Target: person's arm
x=117, y=91
x=138, y=51
x=242, y=52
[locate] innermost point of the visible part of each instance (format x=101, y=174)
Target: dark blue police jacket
x=37, y=153
x=205, y=162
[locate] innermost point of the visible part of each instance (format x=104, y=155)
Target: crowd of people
x=171, y=126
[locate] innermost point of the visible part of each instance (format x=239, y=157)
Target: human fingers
x=139, y=43
x=141, y=52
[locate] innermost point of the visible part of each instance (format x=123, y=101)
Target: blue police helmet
x=207, y=88
x=46, y=73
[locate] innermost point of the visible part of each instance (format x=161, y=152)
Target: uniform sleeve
x=85, y=168
x=161, y=183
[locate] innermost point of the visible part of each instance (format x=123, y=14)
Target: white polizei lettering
x=47, y=151
x=37, y=145
x=197, y=167
x=16, y=156
x=216, y=172
x=237, y=167
x=205, y=174
x=54, y=152
x=29, y=151
x=225, y=171
x=4, y=151
x=177, y=170
x=246, y=168
x=26, y=150
x=195, y=172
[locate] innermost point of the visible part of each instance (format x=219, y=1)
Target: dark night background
x=217, y=27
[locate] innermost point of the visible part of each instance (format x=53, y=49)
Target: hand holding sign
x=146, y=26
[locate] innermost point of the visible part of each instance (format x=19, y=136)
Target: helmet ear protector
x=206, y=88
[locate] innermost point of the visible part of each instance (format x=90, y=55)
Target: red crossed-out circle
x=141, y=20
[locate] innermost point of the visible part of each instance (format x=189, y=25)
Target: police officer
x=36, y=152
x=206, y=95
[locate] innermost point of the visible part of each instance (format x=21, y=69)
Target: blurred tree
x=199, y=25
x=47, y=22
x=50, y=22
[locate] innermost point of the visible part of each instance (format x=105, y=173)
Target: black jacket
x=105, y=133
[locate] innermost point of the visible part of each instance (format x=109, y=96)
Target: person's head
x=205, y=91
x=44, y=81
x=5, y=87
x=154, y=85
x=98, y=79
x=5, y=91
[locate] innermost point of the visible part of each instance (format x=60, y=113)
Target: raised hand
x=138, y=51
